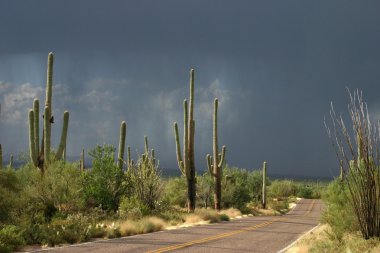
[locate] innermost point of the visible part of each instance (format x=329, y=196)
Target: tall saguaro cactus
x=120, y=156
x=264, y=193
x=186, y=162
x=215, y=163
x=40, y=156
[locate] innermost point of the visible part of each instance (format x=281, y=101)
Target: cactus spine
x=120, y=157
x=215, y=163
x=40, y=156
x=264, y=193
x=186, y=162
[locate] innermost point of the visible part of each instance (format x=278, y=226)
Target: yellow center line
x=223, y=235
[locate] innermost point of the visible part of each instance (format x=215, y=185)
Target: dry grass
x=231, y=212
x=319, y=241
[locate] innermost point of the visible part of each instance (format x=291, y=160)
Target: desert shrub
x=175, y=191
x=10, y=238
x=255, y=185
x=58, y=189
x=204, y=190
x=103, y=184
x=235, y=192
x=208, y=215
x=304, y=191
x=224, y=217
x=9, y=192
x=145, y=181
x=133, y=208
x=282, y=189
x=339, y=213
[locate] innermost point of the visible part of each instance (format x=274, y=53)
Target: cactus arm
x=36, y=110
x=178, y=148
x=62, y=144
x=129, y=155
x=32, y=146
x=11, y=162
x=120, y=156
x=49, y=82
x=146, y=144
x=153, y=157
x=222, y=156
x=47, y=132
x=209, y=164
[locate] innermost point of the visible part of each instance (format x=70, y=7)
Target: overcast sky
x=274, y=65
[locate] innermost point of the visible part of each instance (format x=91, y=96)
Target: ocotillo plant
x=186, y=162
x=341, y=175
x=215, y=163
x=264, y=193
x=120, y=156
x=40, y=156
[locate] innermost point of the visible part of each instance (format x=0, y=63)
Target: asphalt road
x=251, y=234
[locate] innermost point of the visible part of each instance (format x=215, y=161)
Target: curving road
x=252, y=234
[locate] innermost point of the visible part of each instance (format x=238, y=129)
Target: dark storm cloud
x=275, y=64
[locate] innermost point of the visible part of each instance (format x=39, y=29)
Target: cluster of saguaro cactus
x=120, y=156
x=186, y=162
x=264, y=193
x=215, y=162
x=40, y=156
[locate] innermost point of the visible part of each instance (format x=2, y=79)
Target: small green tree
x=103, y=184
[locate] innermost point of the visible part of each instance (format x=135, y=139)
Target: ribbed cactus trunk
x=186, y=162
x=81, y=162
x=62, y=144
x=215, y=163
x=48, y=112
x=32, y=145
x=123, y=133
x=264, y=192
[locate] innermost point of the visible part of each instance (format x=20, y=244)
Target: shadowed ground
x=252, y=234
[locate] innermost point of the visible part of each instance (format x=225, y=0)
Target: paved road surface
x=252, y=234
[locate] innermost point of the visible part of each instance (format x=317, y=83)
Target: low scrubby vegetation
x=66, y=205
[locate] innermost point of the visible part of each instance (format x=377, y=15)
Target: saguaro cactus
x=123, y=133
x=82, y=167
x=264, y=193
x=215, y=163
x=186, y=162
x=40, y=156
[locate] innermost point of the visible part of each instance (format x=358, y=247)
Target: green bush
x=10, y=238
x=145, y=181
x=339, y=213
x=103, y=185
x=282, y=189
x=175, y=191
x=132, y=208
x=9, y=192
